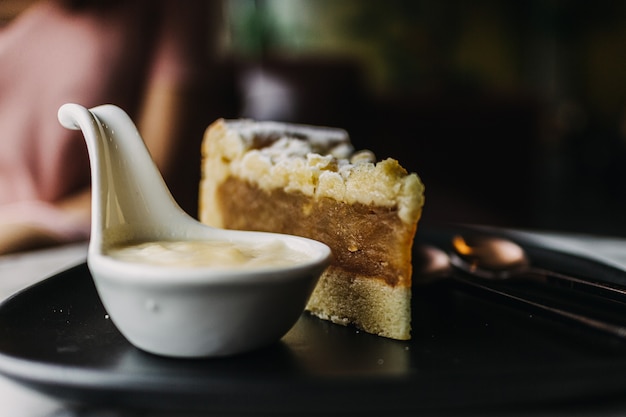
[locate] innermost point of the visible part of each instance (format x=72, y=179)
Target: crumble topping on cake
x=276, y=156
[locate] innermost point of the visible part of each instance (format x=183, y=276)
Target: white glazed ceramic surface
x=171, y=311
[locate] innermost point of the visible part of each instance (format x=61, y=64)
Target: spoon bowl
x=176, y=309
x=490, y=255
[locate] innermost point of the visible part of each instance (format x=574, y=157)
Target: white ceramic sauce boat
x=177, y=311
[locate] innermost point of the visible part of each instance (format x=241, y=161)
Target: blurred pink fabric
x=50, y=55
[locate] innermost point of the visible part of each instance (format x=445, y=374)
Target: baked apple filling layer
x=366, y=240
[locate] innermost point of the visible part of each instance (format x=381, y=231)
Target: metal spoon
x=497, y=258
x=433, y=264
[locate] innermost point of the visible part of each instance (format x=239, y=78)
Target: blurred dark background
x=512, y=113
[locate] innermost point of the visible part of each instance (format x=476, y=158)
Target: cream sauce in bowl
x=213, y=254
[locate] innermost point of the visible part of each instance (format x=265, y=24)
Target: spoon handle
x=602, y=289
x=538, y=303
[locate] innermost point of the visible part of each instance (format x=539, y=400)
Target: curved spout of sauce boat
x=180, y=310
x=130, y=199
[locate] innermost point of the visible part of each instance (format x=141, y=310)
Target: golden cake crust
x=344, y=298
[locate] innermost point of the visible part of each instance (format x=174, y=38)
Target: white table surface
x=21, y=270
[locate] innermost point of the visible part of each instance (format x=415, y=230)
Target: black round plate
x=467, y=351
